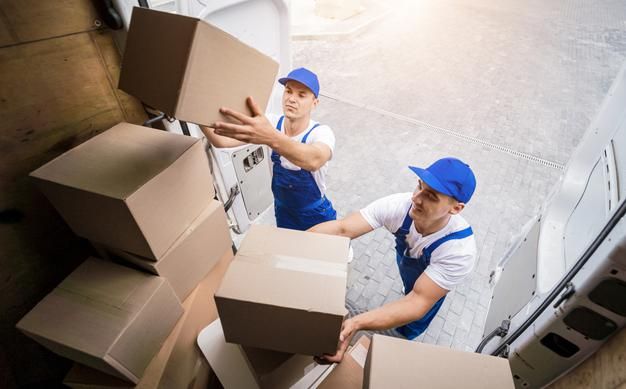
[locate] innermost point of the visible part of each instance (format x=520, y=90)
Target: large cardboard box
x=131, y=187
x=188, y=68
x=399, y=363
x=179, y=363
x=110, y=317
x=349, y=373
x=285, y=291
x=193, y=254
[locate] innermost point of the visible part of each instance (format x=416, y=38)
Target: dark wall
x=58, y=78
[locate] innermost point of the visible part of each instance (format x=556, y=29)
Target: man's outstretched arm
x=409, y=308
x=256, y=129
x=352, y=226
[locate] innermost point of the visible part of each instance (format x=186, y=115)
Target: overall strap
x=304, y=138
x=403, y=231
x=280, y=123
x=455, y=235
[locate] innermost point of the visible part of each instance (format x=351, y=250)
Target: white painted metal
x=587, y=197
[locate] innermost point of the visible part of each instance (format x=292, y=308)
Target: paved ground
x=508, y=86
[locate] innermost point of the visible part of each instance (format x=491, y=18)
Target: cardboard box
x=110, y=317
x=399, y=363
x=193, y=254
x=253, y=368
x=276, y=370
x=179, y=363
x=131, y=187
x=188, y=68
x=285, y=291
x=84, y=377
x=349, y=373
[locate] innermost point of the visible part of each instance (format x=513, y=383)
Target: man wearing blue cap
x=435, y=247
x=301, y=149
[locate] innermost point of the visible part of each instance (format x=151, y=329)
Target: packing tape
x=310, y=265
x=305, y=265
x=359, y=354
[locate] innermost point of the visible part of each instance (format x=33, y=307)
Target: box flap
x=156, y=55
x=349, y=373
x=117, y=162
x=223, y=71
x=226, y=359
x=81, y=376
x=395, y=362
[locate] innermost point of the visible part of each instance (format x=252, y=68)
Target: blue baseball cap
x=305, y=77
x=449, y=176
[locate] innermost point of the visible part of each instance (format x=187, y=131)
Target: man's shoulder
x=273, y=118
x=320, y=130
x=388, y=211
x=396, y=201
x=464, y=245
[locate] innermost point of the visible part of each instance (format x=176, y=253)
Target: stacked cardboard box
x=179, y=363
x=146, y=195
x=280, y=303
x=285, y=291
x=398, y=363
x=188, y=68
x=106, y=316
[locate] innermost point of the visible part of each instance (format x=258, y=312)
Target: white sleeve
x=388, y=212
x=323, y=134
x=273, y=118
x=453, y=267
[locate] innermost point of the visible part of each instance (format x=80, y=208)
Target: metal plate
x=517, y=283
x=254, y=178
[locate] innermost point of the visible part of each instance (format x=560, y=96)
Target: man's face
x=298, y=100
x=430, y=205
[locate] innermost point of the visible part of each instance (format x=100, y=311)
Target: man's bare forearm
x=352, y=226
x=309, y=157
x=333, y=227
x=218, y=140
x=394, y=314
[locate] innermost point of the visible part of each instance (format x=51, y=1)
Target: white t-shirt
x=321, y=133
x=450, y=263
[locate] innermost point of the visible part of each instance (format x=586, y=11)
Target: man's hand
x=348, y=329
x=254, y=129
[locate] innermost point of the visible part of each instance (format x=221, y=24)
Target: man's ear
x=315, y=102
x=456, y=208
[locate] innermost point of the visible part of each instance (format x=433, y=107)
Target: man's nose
x=417, y=199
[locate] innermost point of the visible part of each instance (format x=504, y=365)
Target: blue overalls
x=412, y=268
x=298, y=202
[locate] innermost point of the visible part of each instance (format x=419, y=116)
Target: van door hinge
x=569, y=292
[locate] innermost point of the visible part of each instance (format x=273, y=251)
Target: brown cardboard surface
x=349, y=373
x=186, y=354
x=193, y=254
x=202, y=69
x=291, y=372
x=106, y=316
x=131, y=187
x=284, y=284
x=398, y=363
x=179, y=363
x=276, y=370
x=256, y=368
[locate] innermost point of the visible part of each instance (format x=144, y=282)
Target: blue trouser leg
x=303, y=220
